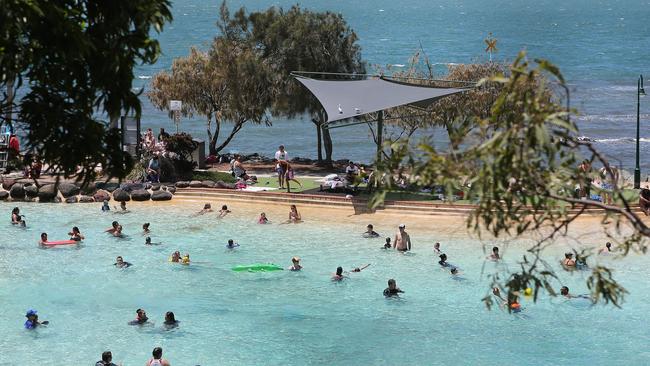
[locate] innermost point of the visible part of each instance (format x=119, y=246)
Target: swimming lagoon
x=283, y=317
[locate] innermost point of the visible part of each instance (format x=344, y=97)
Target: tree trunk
x=213, y=137
x=319, y=140
x=236, y=128
x=327, y=141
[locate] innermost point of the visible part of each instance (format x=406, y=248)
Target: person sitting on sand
x=359, y=269
x=495, y=254
x=295, y=264
x=387, y=244
x=145, y=228
x=294, y=215
x=206, y=208
x=568, y=260
x=224, y=211
x=443, y=260
x=16, y=218
x=370, y=232
x=170, y=320
x=176, y=257
x=392, y=290
x=113, y=227
x=140, y=317
x=231, y=244
x=436, y=248
x=75, y=234
x=263, y=219
x=105, y=206
x=607, y=249
x=402, y=239
x=338, y=276
x=120, y=263
x=32, y=321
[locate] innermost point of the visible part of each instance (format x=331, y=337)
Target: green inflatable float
x=257, y=267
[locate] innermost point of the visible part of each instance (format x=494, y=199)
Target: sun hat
x=30, y=312
x=402, y=226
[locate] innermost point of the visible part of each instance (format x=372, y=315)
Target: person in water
x=120, y=263
x=392, y=289
x=75, y=234
x=105, y=206
x=338, y=276
x=170, y=320
x=123, y=206
x=206, y=208
x=295, y=264
x=224, y=211
x=140, y=317
x=186, y=259
x=147, y=241
x=564, y=291
x=359, y=269
x=32, y=320
x=495, y=254
x=370, y=232
x=443, y=260
x=43, y=240
x=145, y=228
x=118, y=232
x=176, y=257
x=263, y=219
x=294, y=215
x=607, y=249
x=16, y=218
x=436, y=248
x=231, y=244
x=402, y=239
x=387, y=244
x=568, y=260
x=113, y=227
x=157, y=359
x=107, y=359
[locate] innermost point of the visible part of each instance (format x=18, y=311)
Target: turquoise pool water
x=285, y=318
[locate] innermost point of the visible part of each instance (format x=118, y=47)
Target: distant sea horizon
x=601, y=48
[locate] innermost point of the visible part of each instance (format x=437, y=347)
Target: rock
x=4, y=195
x=146, y=186
x=110, y=186
x=101, y=196
x=121, y=195
x=208, y=183
x=71, y=199
x=171, y=190
x=68, y=189
x=17, y=191
x=161, y=195
x=31, y=191
x=7, y=183
x=224, y=185
x=89, y=188
x=47, y=193
x=155, y=186
x=182, y=184
x=196, y=184
x=86, y=199
x=140, y=195
x=56, y=199
x=130, y=187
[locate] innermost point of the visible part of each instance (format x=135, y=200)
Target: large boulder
x=208, y=184
x=86, y=199
x=155, y=186
x=89, y=188
x=182, y=184
x=171, y=190
x=31, y=190
x=68, y=189
x=161, y=196
x=140, y=195
x=4, y=195
x=196, y=184
x=130, y=187
x=111, y=186
x=101, y=196
x=222, y=184
x=17, y=191
x=121, y=196
x=7, y=183
x=47, y=193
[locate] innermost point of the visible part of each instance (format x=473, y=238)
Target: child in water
x=387, y=245
x=105, y=206
x=263, y=219
x=32, y=320
x=224, y=211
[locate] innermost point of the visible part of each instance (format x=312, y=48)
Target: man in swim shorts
x=140, y=317
x=107, y=358
x=392, y=289
x=402, y=239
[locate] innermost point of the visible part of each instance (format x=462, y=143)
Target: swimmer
x=120, y=263
x=443, y=260
x=392, y=289
x=113, y=227
x=495, y=254
x=16, y=218
x=370, y=233
x=107, y=359
x=263, y=219
x=170, y=321
x=231, y=244
x=32, y=320
x=387, y=244
x=118, y=232
x=145, y=228
x=176, y=257
x=147, y=241
x=105, y=206
x=338, y=276
x=436, y=248
x=515, y=306
x=295, y=264
x=568, y=260
x=43, y=240
x=402, y=239
x=186, y=259
x=224, y=211
x=607, y=249
x=454, y=272
x=157, y=359
x=140, y=317
x=359, y=269
x=75, y=234
x=564, y=291
x=497, y=293
x=206, y=208
x=294, y=215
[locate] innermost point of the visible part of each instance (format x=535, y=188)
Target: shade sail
x=344, y=99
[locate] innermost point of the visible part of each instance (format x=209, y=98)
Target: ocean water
x=600, y=45
x=287, y=318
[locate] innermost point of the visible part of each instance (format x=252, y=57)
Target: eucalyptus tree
x=67, y=60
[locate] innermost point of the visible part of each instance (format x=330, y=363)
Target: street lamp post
x=639, y=93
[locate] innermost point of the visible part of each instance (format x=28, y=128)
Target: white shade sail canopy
x=343, y=99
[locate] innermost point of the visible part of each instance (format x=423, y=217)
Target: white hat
x=402, y=226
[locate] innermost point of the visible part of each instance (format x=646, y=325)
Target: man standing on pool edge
x=402, y=239
x=281, y=155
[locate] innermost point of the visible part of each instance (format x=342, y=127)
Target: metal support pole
x=380, y=135
x=637, y=169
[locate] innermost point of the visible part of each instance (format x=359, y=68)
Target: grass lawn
x=272, y=182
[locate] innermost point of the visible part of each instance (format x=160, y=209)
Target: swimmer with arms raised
x=402, y=239
x=392, y=290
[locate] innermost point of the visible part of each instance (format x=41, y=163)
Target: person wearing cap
x=295, y=266
x=568, y=260
x=402, y=240
x=32, y=320
x=107, y=359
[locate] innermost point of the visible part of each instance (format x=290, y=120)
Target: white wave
x=144, y=77
x=384, y=39
x=614, y=140
x=381, y=9
x=399, y=65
